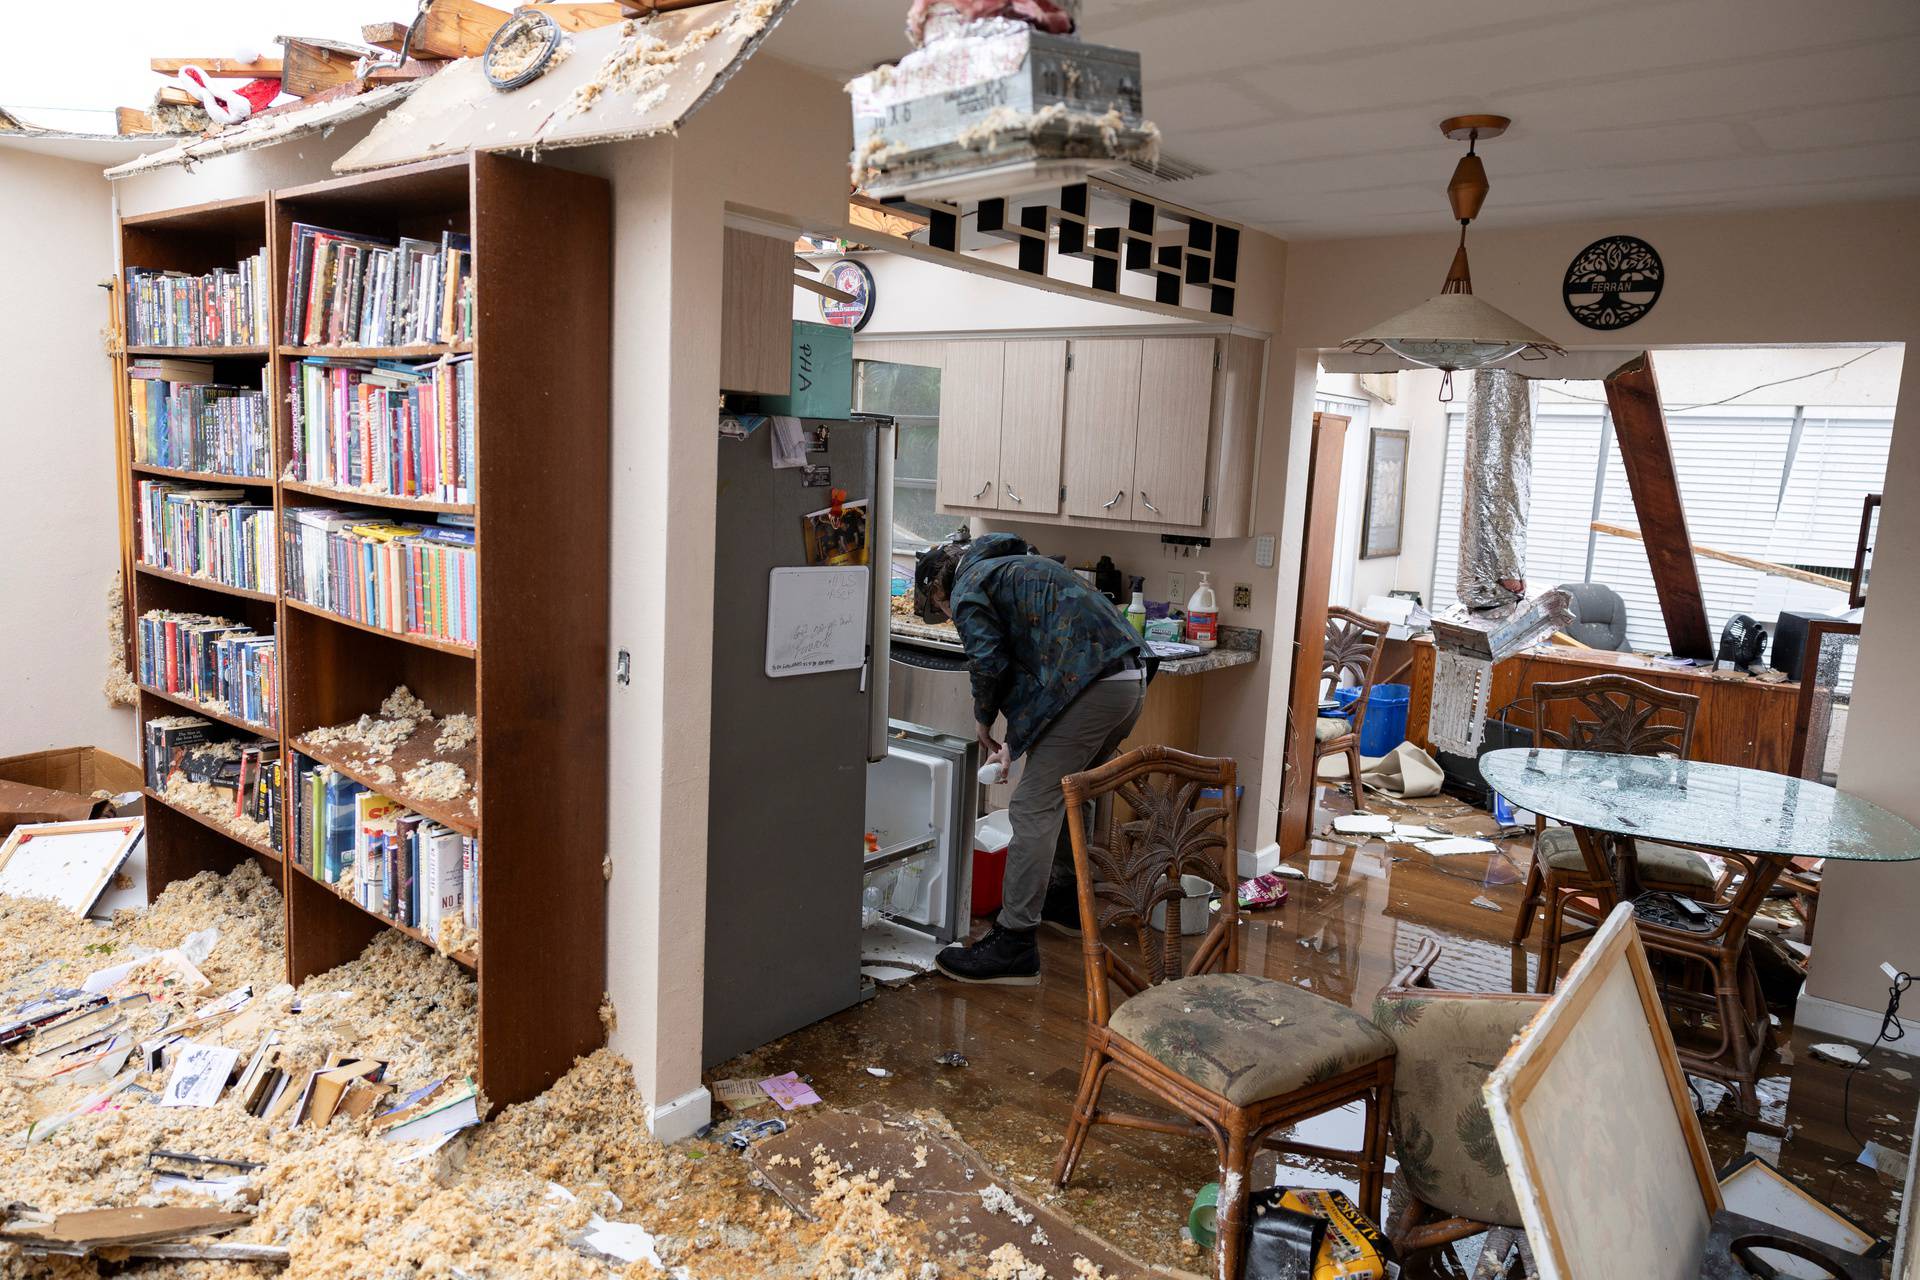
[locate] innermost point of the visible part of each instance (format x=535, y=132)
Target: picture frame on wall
x=1380, y=528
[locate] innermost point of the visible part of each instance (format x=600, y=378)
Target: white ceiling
x=1319, y=120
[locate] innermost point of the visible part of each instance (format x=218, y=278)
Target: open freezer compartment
x=917, y=880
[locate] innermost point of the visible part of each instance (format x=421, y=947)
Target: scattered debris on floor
x=407, y=749
x=119, y=687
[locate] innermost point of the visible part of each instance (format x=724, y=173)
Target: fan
x=1742, y=641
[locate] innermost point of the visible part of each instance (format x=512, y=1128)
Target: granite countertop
x=1238, y=646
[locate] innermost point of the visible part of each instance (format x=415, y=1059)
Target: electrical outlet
x=1242, y=595
x=1177, y=588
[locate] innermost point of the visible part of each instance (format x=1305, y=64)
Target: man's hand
x=995, y=752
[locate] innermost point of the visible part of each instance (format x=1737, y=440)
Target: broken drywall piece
x=118, y=1228
x=624, y=80
x=1357, y=824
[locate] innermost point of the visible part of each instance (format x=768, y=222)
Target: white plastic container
x=1196, y=907
x=1203, y=615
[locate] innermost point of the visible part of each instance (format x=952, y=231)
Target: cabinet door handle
x=1117, y=495
x=1148, y=505
x=1016, y=497
x=983, y=489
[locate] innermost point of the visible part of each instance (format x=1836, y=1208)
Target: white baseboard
x=1258, y=862
x=1830, y=1017
x=681, y=1118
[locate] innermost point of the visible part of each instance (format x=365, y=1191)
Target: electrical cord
x=1891, y=1029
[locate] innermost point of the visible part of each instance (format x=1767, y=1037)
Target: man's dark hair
x=934, y=573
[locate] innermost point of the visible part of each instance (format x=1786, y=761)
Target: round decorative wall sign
x=851, y=277
x=1613, y=282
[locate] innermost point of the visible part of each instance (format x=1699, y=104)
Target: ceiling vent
x=1163, y=171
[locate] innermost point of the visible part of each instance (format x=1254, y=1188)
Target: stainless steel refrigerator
x=804, y=767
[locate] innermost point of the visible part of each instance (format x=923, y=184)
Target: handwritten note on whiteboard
x=816, y=620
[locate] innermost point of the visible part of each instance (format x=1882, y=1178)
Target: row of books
x=214, y=661
x=385, y=426
x=182, y=418
x=345, y=288
x=405, y=867
x=207, y=533
x=244, y=773
x=406, y=578
x=226, y=307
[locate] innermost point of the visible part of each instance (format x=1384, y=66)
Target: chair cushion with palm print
x=1443, y=1137
x=1327, y=728
x=1248, y=1038
x=1558, y=848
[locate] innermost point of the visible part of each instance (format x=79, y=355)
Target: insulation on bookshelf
x=389, y=860
x=233, y=780
x=183, y=419
x=226, y=307
x=221, y=664
x=410, y=579
x=385, y=426
x=207, y=533
x=345, y=288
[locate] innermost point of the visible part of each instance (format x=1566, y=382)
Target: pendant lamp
x=1454, y=330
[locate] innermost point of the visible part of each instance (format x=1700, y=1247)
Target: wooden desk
x=1740, y=722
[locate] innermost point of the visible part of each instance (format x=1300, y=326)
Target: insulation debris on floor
x=569, y=1184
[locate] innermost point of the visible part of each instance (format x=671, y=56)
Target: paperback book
x=345, y=288
x=410, y=579
x=226, y=307
x=181, y=418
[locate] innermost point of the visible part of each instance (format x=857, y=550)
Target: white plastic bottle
x=1203, y=615
x=1136, y=613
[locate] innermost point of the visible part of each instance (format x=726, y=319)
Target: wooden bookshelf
x=536, y=683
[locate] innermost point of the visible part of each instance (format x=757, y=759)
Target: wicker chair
x=1240, y=1056
x=1353, y=648
x=1626, y=717
x=1452, y=1179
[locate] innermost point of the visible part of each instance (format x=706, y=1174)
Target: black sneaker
x=1061, y=910
x=1006, y=956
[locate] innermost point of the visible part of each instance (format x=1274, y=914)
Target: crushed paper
x=120, y=689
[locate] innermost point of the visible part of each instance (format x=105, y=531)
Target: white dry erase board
x=816, y=620
x=69, y=862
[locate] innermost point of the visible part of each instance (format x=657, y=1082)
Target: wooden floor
x=1362, y=911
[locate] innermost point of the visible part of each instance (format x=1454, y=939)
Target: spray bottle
x=1203, y=615
x=1136, y=610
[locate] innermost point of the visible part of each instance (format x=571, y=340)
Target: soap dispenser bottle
x=1203, y=615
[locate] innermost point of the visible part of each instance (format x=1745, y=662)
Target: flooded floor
x=1362, y=911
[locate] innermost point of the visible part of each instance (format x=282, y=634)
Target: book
x=384, y=426
x=429, y=1112
x=214, y=661
x=347, y=288
x=376, y=571
x=180, y=418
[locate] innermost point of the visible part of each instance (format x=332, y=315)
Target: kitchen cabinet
x=756, y=314
x=1170, y=444
x=1102, y=418
x=971, y=381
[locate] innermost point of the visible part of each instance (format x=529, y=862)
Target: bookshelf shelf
x=535, y=684
x=211, y=713
x=420, y=351
x=424, y=642
x=260, y=847
x=464, y=958
x=206, y=584
x=353, y=497
x=203, y=353
x=200, y=477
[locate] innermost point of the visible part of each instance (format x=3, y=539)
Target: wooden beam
x=132, y=120
x=1745, y=562
x=174, y=96
x=824, y=290
x=580, y=17
x=458, y=28
x=313, y=65
x=390, y=36
x=222, y=68
x=411, y=69
x=1641, y=426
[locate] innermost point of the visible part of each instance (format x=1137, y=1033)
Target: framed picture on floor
x=1386, y=493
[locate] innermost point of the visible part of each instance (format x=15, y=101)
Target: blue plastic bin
x=1386, y=723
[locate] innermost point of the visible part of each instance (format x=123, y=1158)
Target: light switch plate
x=1263, y=551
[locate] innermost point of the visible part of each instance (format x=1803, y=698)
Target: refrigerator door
x=787, y=797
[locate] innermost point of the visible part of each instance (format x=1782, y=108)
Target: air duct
x=1496, y=485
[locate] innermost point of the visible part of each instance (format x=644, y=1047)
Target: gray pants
x=1086, y=734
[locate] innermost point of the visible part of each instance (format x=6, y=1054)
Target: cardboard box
x=59, y=785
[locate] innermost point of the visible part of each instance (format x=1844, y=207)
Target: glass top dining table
x=1690, y=802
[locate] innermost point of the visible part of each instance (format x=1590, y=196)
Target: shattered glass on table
x=1691, y=802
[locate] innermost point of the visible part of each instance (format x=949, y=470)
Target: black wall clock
x=1613, y=282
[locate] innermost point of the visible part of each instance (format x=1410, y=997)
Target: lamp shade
x=1453, y=331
